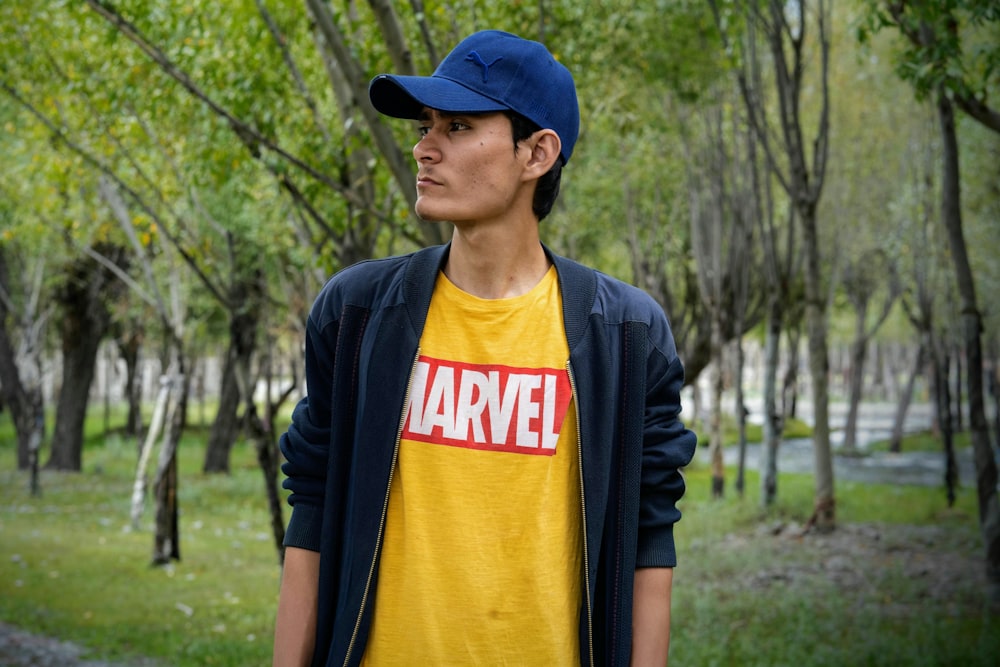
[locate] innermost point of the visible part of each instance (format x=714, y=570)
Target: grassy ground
x=70, y=566
x=898, y=584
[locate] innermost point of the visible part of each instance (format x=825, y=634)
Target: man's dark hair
x=547, y=188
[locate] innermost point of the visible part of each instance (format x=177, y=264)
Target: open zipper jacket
x=362, y=342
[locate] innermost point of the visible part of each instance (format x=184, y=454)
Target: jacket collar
x=578, y=284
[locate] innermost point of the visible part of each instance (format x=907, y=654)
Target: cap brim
x=407, y=96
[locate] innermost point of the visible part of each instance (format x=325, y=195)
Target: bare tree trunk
x=859, y=348
x=824, y=511
x=166, y=537
x=942, y=394
x=878, y=373
x=903, y=402
x=34, y=449
x=958, y=412
x=266, y=445
x=773, y=418
x=85, y=321
x=79, y=358
x=986, y=467
x=226, y=425
x=862, y=279
x=790, y=380
x=992, y=382
x=20, y=368
x=741, y=419
x=715, y=415
x=129, y=345
x=146, y=448
x=245, y=299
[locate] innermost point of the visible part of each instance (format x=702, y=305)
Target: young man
x=486, y=467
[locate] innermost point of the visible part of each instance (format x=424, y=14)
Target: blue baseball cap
x=489, y=71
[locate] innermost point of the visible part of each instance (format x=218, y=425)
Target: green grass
x=794, y=428
x=70, y=568
x=924, y=441
x=722, y=544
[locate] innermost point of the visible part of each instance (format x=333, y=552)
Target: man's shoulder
x=628, y=301
x=574, y=274
x=368, y=284
x=615, y=300
x=366, y=274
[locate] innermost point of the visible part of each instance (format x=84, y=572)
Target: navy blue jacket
x=361, y=346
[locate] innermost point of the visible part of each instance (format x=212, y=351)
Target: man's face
x=467, y=170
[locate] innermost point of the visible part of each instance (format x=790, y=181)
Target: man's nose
x=427, y=148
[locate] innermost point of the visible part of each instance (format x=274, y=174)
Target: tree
x=945, y=58
x=88, y=288
x=924, y=284
x=20, y=365
x=721, y=209
x=256, y=128
x=862, y=278
x=783, y=27
x=169, y=412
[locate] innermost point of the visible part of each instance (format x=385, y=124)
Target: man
x=486, y=467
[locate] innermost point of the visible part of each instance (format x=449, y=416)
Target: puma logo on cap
x=478, y=59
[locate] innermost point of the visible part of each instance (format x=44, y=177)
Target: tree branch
x=248, y=135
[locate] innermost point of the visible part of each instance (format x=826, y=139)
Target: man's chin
x=428, y=216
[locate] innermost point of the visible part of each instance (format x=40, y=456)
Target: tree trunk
x=741, y=419
x=715, y=416
x=266, y=445
x=773, y=419
x=992, y=382
x=129, y=345
x=226, y=427
x=824, y=510
x=881, y=390
x=85, y=321
x=790, y=380
x=166, y=537
x=903, y=403
x=958, y=412
x=859, y=348
x=17, y=399
x=269, y=457
x=146, y=447
x=80, y=345
x=20, y=368
x=244, y=320
x=986, y=468
x=942, y=395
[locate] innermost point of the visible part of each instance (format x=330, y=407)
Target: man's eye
x=423, y=130
x=456, y=127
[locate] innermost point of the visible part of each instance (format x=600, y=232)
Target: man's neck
x=492, y=264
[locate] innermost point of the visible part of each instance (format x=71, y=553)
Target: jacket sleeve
x=306, y=444
x=667, y=447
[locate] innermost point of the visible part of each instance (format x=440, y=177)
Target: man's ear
x=545, y=146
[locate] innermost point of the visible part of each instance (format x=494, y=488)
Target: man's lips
x=423, y=181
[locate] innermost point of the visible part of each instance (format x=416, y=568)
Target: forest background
x=180, y=179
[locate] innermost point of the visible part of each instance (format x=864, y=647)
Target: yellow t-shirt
x=481, y=559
